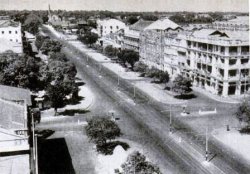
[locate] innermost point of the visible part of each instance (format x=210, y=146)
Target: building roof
x=239, y=20
x=140, y=25
x=8, y=23
x=110, y=20
x=15, y=94
x=162, y=24
x=222, y=34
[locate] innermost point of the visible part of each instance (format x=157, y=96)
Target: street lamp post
x=33, y=134
x=36, y=154
x=170, y=119
x=206, y=155
x=134, y=91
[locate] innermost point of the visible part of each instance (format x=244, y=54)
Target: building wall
x=11, y=39
x=152, y=48
x=109, y=26
x=220, y=69
x=131, y=40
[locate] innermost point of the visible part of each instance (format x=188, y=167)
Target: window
x=2, y=32
x=11, y=40
x=16, y=32
x=9, y=32
x=111, y=27
x=117, y=27
x=16, y=40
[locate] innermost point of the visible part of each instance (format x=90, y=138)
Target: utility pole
x=245, y=87
x=33, y=134
x=170, y=119
x=134, y=91
x=118, y=80
x=206, y=155
x=36, y=155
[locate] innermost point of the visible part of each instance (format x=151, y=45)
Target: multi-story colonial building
x=218, y=61
x=152, y=43
x=10, y=35
x=109, y=26
x=132, y=34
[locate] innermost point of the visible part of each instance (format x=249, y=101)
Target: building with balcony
x=156, y=46
x=132, y=34
x=10, y=35
x=218, y=61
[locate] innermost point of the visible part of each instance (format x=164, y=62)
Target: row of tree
x=58, y=74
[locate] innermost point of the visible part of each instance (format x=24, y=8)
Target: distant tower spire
x=49, y=13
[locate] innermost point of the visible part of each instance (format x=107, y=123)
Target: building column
x=225, y=89
x=238, y=88
x=216, y=87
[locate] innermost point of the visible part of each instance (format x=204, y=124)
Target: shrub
x=108, y=148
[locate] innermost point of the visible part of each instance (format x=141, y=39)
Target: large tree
x=101, y=129
x=128, y=56
x=137, y=163
x=243, y=112
x=50, y=46
x=182, y=85
x=20, y=71
x=32, y=23
x=110, y=51
x=39, y=40
x=89, y=38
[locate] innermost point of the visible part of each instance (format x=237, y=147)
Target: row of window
x=9, y=32
x=12, y=40
x=111, y=27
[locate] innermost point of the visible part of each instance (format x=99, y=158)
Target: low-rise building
x=10, y=35
x=109, y=26
x=240, y=23
x=132, y=34
x=14, y=134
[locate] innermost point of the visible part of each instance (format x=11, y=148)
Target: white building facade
x=10, y=36
x=156, y=46
x=215, y=60
x=108, y=26
x=132, y=34
x=218, y=61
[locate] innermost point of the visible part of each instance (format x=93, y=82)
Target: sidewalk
x=142, y=83
x=216, y=97
x=84, y=104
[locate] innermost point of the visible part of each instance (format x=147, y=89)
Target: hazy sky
x=129, y=5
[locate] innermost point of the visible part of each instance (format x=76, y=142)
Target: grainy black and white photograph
x=124, y=87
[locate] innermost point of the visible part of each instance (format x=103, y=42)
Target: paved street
x=142, y=120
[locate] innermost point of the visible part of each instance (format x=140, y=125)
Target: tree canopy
x=20, y=71
x=182, y=85
x=128, y=56
x=32, y=23
x=137, y=163
x=49, y=46
x=89, y=38
x=101, y=129
x=243, y=112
